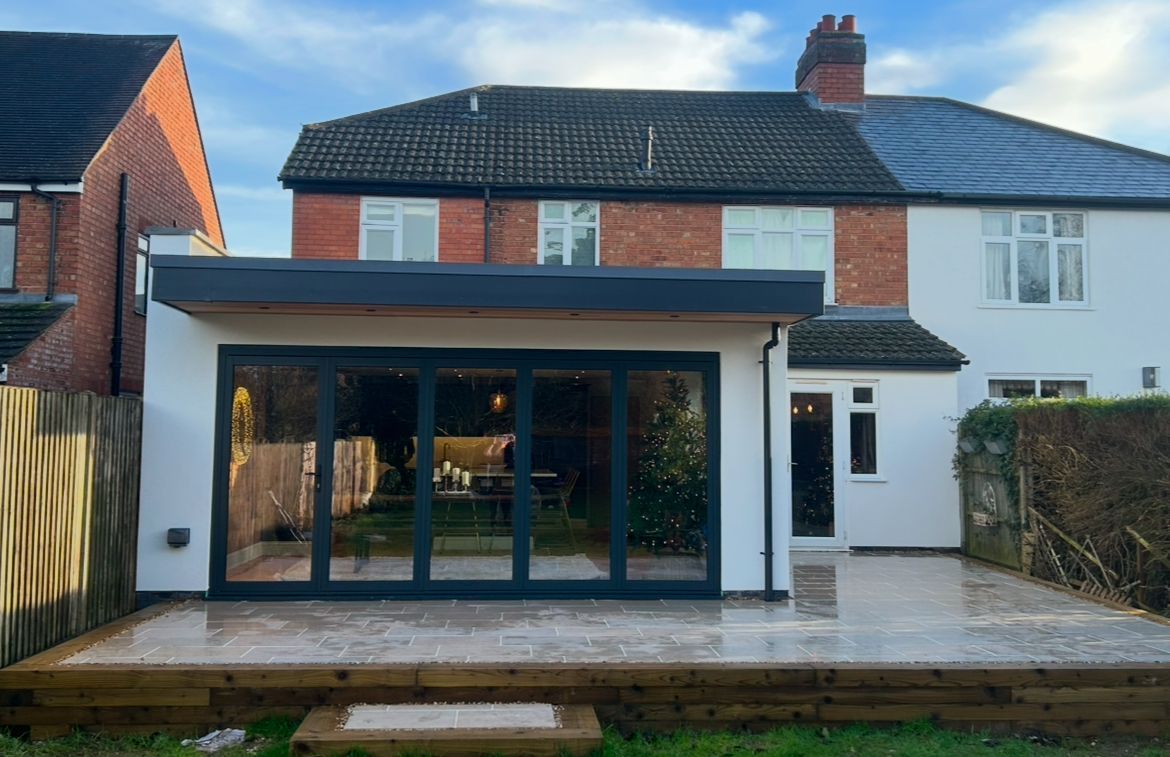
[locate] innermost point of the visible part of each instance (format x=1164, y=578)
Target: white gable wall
x=1123, y=328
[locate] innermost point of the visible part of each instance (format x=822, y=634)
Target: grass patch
x=270, y=738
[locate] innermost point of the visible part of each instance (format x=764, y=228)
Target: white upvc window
x=568, y=232
x=779, y=238
x=863, y=430
x=1014, y=386
x=1035, y=258
x=141, y=273
x=399, y=229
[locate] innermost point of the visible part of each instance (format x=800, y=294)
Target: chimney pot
x=832, y=66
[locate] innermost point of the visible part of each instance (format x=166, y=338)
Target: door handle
x=316, y=475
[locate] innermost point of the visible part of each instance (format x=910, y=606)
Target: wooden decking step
x=450, y=729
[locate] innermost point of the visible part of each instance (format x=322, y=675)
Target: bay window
x=399, y=229
x=779, y=238
x=1034, y=258
x=568, y=233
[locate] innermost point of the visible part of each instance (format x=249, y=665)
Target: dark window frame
x=328, y=359
x=14, y=222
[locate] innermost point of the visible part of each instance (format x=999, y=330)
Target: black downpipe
x=769, y=592
x=51, y=276
x=119, y=290
x=487, y=224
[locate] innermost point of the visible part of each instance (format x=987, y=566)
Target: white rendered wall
x=915, y=502
x=1122, y=329
x=179, y=412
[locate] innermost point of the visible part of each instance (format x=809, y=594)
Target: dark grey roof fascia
x=755, y=295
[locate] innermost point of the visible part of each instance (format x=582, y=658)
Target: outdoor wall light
x=1151, y=377
x=178, y=537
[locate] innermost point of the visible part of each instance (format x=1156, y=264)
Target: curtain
x=998, y=271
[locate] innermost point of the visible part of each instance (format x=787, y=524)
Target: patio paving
x=865, y=608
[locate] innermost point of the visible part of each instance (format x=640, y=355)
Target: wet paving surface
x=847, y=608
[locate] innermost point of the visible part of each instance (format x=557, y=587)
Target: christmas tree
x=668, y=497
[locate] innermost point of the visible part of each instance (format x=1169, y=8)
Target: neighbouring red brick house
x=85, y=118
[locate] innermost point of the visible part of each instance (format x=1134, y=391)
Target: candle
x=455, y=473
x=436, y=474
x=467, y=478
x=446, y=467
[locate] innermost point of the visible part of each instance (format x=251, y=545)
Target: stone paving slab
x=846, y=608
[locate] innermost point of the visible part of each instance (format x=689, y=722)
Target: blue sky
x=261, y=68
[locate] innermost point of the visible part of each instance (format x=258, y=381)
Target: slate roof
x=880, y=342
x=62, y=94
x=22, y=322
x=581, y=138
x=940, y=145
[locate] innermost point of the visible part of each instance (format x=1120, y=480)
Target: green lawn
x=270, y=739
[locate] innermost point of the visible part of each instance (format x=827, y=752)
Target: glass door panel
x=375, y=434
x=813, y=484
x=474, y=477
x=667, y=532
x=570, y=513
x=272, y=475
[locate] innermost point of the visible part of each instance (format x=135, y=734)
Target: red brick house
x=99, y=142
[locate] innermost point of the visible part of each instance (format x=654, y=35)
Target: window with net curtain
x=1049, y=388
x=1034, y=258
x=779, y=238
x=404, y=230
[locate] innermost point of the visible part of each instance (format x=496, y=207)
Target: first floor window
x=1034, y=258
x=779, y=238
x=1036, y=386
x=141, y=273
x=568, y=232
x=863, y=437
x=395, y=229
x=8, y=212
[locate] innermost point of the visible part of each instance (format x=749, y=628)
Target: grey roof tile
x=593, y=138
x=62, y=94
x=879, y=342
x=22, y=322
x=940, y=145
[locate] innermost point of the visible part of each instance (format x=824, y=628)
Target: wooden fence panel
x=993, y=520
x=68, y=515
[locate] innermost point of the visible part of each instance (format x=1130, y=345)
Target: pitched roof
x=22, y=322
x=62, y=94
x=593, y=138
x=939, y=145
x=877, y=342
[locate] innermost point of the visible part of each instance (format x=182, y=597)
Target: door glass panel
x=813, y=511
x=475, y=445
x=375, y=432
x=271, y=475
x=667, y=534
x=571, y=442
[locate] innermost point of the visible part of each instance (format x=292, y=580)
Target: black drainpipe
x=119, y=291
x=769, y=592
x=487, y=224
x=51, y=276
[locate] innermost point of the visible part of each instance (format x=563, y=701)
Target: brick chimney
x=833, y=64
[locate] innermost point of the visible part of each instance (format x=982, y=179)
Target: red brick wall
x=158, y=144
x=870, y=252
x=870, y=244
x=48, y=362
x=836, y=82
x=325, y=226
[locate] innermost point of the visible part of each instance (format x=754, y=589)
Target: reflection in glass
x=272, y=473
x=667, y=534
x=474, y=475
x=813, y=512
x=571, y=438
x=374, y=471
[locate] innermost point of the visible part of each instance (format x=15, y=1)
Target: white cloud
x=228, y=133
x=605, y=45
x=260, y=194
x=1093, y=67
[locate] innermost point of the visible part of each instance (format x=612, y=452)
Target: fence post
x=1027, y=527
